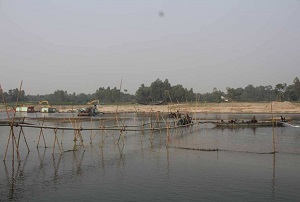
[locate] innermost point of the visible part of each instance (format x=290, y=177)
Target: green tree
x=296, y=83
x=249, y=93
x=279, y=91
x=235, y=94
x=143, y=93
x=157, y=90
x=13, y=94
x=60, y=96
x=178, y=93
x=115, y=95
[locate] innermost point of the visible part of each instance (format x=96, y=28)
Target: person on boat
x=233, y=121
x=188, y=119
x=185, y=120
x=178, y=115
x=282, y=118
x=254, y=120
x=174, y=115
x=181, y=121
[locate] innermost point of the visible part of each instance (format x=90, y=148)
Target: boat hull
x=249, y=124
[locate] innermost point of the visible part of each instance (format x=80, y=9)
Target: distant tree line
x=281, y=92
x=163, y=91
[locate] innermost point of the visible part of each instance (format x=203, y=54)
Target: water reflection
x=79, y=156
x=56, y=166
x=41, y=157
x=10, y=181
x=122, y=158
x=143, y=159
x=274, y=176
x=78, y=162
x=17, y=173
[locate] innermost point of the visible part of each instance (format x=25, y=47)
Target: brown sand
x=228, y=107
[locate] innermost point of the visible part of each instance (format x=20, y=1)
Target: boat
x=48, y=110
x=151, y=103
x=89, y=111
x=185, y=120
x=281, y=119
x=29, y=109
x=247, y=124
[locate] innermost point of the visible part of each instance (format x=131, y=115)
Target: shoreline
x=225, y=107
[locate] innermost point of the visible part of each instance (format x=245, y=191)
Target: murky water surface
x=141, y=168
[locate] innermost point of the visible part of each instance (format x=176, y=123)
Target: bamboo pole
x=273, y=131
x=124, y=128
x=22, y=132
x=91, y=135
x=12, y=134
x=168, y=132
x=62, y=137
x=56, y=141
x=77, y=133
x=41, y=134
x=8, y=140
x=4, y=101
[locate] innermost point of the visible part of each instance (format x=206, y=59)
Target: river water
x=147, y=167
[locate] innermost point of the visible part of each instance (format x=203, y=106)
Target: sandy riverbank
x=230, y=107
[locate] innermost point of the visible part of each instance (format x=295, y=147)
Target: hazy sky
x=81, y=45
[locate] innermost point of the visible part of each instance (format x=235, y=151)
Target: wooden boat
x=281, y=119
x=248, y=124
x=90, y=111
x=150, y=103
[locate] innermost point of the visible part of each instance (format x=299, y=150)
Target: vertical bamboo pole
x=273, y=131
x=75, y=131
x=56, y=141
x=11, y=134
x=14, y=143
x=196, y=111
x=21, y=131
x=41, y=129
x=150, y=119
x=41, y=134
x=158, y=120
x=168, y=135
x=8, y=140
x=142, y=129
x=91, y=139
x=124, y=131
x=62, y=137
x=168, y=132
x=116, y=114
x=19, y=136
x=102, y=125
x=13, y=146
x=80, y=135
